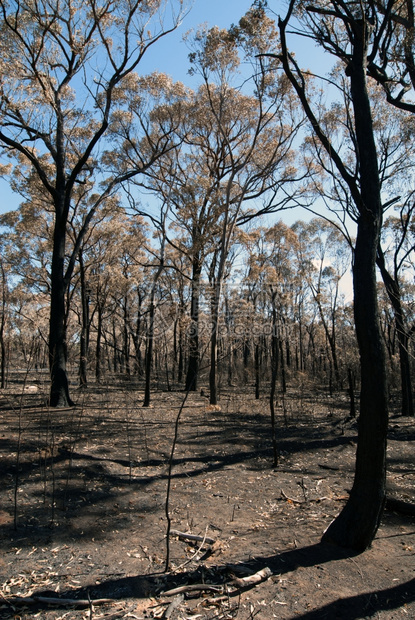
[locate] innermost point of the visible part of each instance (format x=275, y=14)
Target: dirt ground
x=84, y=514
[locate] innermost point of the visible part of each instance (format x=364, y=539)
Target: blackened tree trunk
x=257, y=365
x=178, y=347
x=137, y=335
x=152, y=309
x=274, y=372
x=215, y=294
x=350, y=379
x=98, y=355
x=214, y=317
x=331, y=337
x=126, y=336
x=357, y=524
x=149, y=352
x=150, y=341
x=283, y=364
x=84, y=339
x=59, y=391
x=193, y=360
x=246, y=354
x=2, y=326
x=115, y=356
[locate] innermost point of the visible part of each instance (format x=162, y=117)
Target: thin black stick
x=167, y=504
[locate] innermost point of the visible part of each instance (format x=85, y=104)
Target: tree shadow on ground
x=365, y=605
x=57, y=466
x=153, y=585
x=93, y=486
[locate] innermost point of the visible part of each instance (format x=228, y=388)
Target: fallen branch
x=239, y=582
x=51, y=600
x=252, y=580
x=192, y=537
x=193, y=587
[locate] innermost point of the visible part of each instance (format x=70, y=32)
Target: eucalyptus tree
x=255, y=133
x=23, y=288
x=64, y=67
x=393, y=131
x=237, y=148
x=29, y=227
x=345, y=29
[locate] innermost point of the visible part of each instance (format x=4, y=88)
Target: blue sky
x=170, y=55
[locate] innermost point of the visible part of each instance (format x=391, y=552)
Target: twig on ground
x=239, y=582
x=91, y=607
